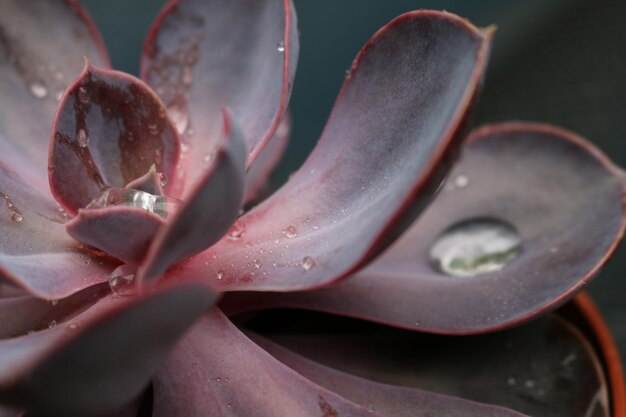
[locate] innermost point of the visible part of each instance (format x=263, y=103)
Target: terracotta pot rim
x=608, y=351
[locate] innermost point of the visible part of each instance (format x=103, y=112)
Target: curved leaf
x=216, y=371
x=123, y=232
x=389, y=141
x=101, y=359
x=109, y=130
x=35, y=251
x=210, y=209
x=42, y=45
x=564, y=198
x=202, y=56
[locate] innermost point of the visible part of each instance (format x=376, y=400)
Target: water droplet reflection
x=476, y=246
x=162, y=206
x=121, y=281
x=280, y=46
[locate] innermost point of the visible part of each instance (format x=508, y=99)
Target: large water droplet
x=162, y=206
x=38, y=90
x=280, y=46
x=237, y=230
x=122, y=281
x=476, y=246
x=83, y=138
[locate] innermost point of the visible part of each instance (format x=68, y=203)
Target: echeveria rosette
x=210, y=116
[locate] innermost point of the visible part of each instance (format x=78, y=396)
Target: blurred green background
x=557, y=61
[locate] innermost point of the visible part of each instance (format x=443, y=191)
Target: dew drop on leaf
x=38, y=90
x=308, y=263
x=237, y=230
x=83, y=138
x=290, y=231
x=476, y=246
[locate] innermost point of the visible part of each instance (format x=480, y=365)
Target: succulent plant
x=132, y=277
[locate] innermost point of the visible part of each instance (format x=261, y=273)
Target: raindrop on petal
x=280, y=46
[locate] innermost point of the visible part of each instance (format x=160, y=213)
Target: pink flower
x=112, y=268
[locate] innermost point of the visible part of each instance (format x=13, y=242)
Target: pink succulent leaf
x=151, y=182
x=109, y=130
x=562, y=196
x=388, y=400
x=202, y=55
x=258, y=174
x=544, y=368
x=392, y=135
x=101, y=359
x=120, y=231
x=36, y=253
x=211, y=208
x=217, y=371
x=23, y=314
x=35, y=68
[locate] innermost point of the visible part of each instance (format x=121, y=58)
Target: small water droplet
x=258, y=264
x=16, y=214
x=54, y=302
x=52, y=324
x=184, y=147
x=153, y=129
x=290, y=231
x=474, y=247
x=229, y=405
x=83, y=138
x=237, y=230
x=280, y=46
x=121, y=280
x=38, y=90
x=83, y=95
x=208, y=158
x=72, y=326
x=308, y=263
x=219, y=275
x=461, y=181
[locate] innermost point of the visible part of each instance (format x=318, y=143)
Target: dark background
x=557, y=61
